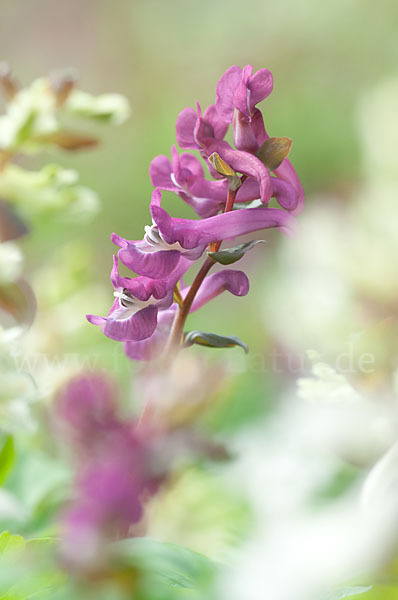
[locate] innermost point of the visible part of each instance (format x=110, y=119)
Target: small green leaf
x=212, y=340
x=7, y=457
x=231, y=255
x=274, y=151
x=11, y=546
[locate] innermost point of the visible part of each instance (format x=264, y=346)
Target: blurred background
x=328, y=61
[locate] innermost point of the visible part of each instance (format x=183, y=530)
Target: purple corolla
x=133, y=315
x=117, y=470
x=184, y=175
x=193, y=234
x=238, y=91
x=170, y=238
x=201, y=133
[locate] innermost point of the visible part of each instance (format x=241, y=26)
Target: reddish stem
x=177, y=330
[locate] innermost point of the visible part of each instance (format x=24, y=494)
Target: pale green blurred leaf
x=7, y=457
x=11, y=545
x=49, y=191
x=346, y=592
x=112, y=108
x=173, y=565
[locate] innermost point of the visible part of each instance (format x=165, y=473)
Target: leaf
x=11, y=546
x=274, y=151
x=345, y=592
x=212, y=340
x=27, y=568
x=174, y=565
x=229, y=256
x=7, y=457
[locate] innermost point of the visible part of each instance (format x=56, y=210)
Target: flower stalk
x=151, y=321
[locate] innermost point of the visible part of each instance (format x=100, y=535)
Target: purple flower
x=86, y=406
x=116, y=472
x=238, y=92
x=151, y=257
x=188, y=239
x=192, y=234
x=240, y=89
x=194, y=131
x=144, y=309
x=152, y=347
x=133, y=315
x=184, y=175
x=235, y=282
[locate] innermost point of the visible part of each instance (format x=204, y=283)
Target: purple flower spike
x=198, y=234
x=239, y=89
x=133, y=315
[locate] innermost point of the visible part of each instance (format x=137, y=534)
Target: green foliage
x=7, y=457
x=168, y=567
x=11, y=546
x=228, y=256
x=48, y=191
x=212, y=340
x=27, y=569
x=346, y=592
